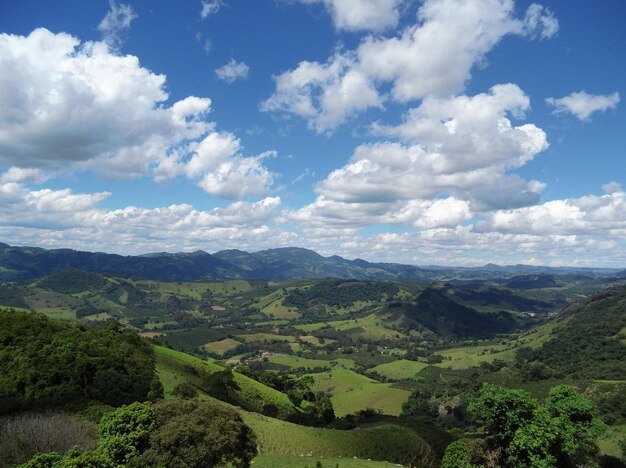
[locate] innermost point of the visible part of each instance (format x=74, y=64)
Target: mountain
x=294, y=262
x=438, y=313
x=24, y=263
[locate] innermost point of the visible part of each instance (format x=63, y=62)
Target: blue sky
x=453, y=132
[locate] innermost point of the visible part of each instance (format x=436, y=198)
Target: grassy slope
x=171, y=369
x=352, y=392
x=401, y=369
x=385, y=442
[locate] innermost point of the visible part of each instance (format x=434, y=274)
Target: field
x=384, y=442
x=297, y=362
x=352, y=392
x=222, y=346
x=401, y=369
x=286, y=461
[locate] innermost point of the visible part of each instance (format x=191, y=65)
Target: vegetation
x=47, y=363
x=521, y=432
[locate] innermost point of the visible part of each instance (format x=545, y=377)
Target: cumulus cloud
x=64, y=218
x=117, y=20
x=362, y=15
x=72, y=106
x=210, y=7
x=232, y=71
x=582, y=105
x=435, y=56
x=324, y=94
x=452, y=163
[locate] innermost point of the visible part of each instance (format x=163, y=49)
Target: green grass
x=59, y=313
x=401, y=369
x=370, y=327
x=173, y=367
x=229, y=288
x=222, y=346
x=385, y=442
x=352, y=392
x=464, y=357
x=260, y=337
x=296, y=361
x=609, y=442
x=276, y=309
x=293, y=461
x=471, y=356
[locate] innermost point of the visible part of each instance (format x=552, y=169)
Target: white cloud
x=362, y=15
x=435, y=56
x=63, y=218
x=540, y=22
x=117, y=20
x=19, y=175
x=69, y=106
x=582, y=105
x=612, y=187
x=210, y=7
x=324, y=94
x=453, y=164
x=232, y=71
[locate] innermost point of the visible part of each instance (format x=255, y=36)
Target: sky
x=447, y=132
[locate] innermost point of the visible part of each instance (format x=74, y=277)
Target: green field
x=222, y=346
x=286, y=461
x=269, y=337
x=296, y=361
x=401, y=369
x=371, y=327
x=352, y=392
x=385, y=442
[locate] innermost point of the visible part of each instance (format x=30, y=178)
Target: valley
x=329, y=354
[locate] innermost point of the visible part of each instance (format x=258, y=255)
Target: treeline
x=340, y=293
x=48, y=363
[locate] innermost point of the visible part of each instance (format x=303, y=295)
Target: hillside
x=588, y=339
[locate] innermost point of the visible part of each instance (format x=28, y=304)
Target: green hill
x=588, y=340
x=175, y=367
x=436, y=312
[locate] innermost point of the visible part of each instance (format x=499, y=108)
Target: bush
x=198, y=433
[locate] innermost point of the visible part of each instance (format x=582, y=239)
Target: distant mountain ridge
x=24, y=263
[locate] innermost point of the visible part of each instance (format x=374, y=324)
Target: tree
x=457, y=455
x=199, y=433
x=125, y=432
x=561, y=433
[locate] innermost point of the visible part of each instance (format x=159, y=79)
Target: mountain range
x=24, y=263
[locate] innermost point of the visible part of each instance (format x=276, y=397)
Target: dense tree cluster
x=173, y=433
x=47, y=362
x=522, y=433
x=340, y=293
x=587, y=345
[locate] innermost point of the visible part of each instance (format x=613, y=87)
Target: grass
x=261, y=337
x=469, y=356
x=174, y=367
x=352, y=392
x=296, y=361
x=401, y=369
x=293, y=461
x=609, y=442
x=222, y=346
x=370, y=327
x=384, y=442
x=276, y=309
